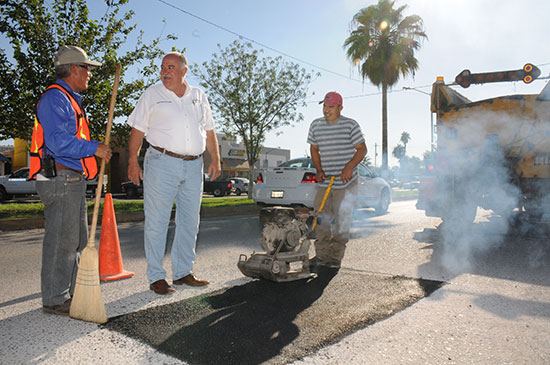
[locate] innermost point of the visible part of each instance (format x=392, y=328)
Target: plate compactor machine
x=286, y=243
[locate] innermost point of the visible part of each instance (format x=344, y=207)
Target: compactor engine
x=286, y=256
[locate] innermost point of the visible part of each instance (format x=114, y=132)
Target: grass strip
x=36, y=210
x=404, y=193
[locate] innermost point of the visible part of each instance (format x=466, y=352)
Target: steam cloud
x=487, y=150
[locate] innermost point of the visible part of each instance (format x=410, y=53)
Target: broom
x=87, y=303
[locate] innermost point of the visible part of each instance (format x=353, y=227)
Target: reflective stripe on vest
x=89, y=164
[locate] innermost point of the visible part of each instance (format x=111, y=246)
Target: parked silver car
x=239, y=185
x=17, y=184
x=293, y=183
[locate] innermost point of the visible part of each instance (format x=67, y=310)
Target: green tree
x=410, y=165
x=382, y=43
x=36, y=29
x=399, y=152
x=252, y=95
x=405, y=138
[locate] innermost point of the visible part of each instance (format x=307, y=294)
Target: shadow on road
x=246, y=324
x=267, y=322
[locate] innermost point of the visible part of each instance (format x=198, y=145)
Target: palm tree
x=405, y=138
x=367, y=161
x=382, y=44
x=399, y=152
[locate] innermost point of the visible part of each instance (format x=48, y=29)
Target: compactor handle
x=323, y=202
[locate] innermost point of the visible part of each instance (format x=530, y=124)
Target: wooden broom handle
x=91, y=241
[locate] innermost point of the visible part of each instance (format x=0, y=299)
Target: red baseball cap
x=332, y=98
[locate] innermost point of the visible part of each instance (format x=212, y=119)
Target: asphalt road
x=493, y=308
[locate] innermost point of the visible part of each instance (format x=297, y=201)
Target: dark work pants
x=65, y=233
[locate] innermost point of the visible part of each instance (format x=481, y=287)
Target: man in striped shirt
x=337, y=147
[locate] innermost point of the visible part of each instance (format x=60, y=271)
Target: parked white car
x=293, y=183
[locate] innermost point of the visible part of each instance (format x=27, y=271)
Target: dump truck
x=492, y=153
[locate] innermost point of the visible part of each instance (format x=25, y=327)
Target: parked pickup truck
x=132, y=190
x=217, y=187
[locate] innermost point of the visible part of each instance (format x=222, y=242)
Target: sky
x=479, y=35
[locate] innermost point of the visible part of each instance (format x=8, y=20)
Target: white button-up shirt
x=176, y=124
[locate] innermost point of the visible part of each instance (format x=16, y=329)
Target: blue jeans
x=167, y=179
x=65, y=233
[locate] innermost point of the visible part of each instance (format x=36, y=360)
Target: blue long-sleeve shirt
x=57, y=118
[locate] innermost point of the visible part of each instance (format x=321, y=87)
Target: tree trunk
x=384, y=128
x=251, y=180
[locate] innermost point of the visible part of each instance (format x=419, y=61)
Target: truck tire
x=218, y=192
x=460, y=214
x=131, y=193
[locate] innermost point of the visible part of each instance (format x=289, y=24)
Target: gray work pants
x=334, y=222
x=65, y=233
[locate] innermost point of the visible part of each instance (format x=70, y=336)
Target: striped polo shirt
x=336, y=142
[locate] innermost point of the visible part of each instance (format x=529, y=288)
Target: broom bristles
x=87, y=303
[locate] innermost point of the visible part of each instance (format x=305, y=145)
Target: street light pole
x=431, y=116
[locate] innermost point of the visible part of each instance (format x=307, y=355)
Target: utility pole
x=375, y=153
x=431, y=115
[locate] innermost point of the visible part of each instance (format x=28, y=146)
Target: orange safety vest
x=89, y=164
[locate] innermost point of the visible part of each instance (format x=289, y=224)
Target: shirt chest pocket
x=193, y=109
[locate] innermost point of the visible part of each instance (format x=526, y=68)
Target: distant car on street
x=394, y=183
x=411, y=184
x=16, y=184
x=293, y=183
x=239, y=185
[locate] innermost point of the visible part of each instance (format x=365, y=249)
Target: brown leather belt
x=58, y=166
x=177, y=155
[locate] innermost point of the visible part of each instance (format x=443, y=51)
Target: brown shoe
x=190, y=280
x=60, y=309
x=161, y=287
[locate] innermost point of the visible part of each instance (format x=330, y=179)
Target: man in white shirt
x=176, y=120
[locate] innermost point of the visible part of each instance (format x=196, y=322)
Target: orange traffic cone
x=110, y=258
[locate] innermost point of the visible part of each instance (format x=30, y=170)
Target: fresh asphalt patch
x=273, y=323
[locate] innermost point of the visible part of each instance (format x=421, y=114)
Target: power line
x=296, y=58
x=375, y=93
x=258, y=43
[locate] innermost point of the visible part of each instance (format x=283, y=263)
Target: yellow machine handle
x=323, y=202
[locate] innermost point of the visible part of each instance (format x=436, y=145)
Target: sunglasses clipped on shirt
x=87, y=67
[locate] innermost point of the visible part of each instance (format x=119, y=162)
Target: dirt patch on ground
x=275, y=323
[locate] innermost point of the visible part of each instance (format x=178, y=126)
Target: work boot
x=60, y=309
